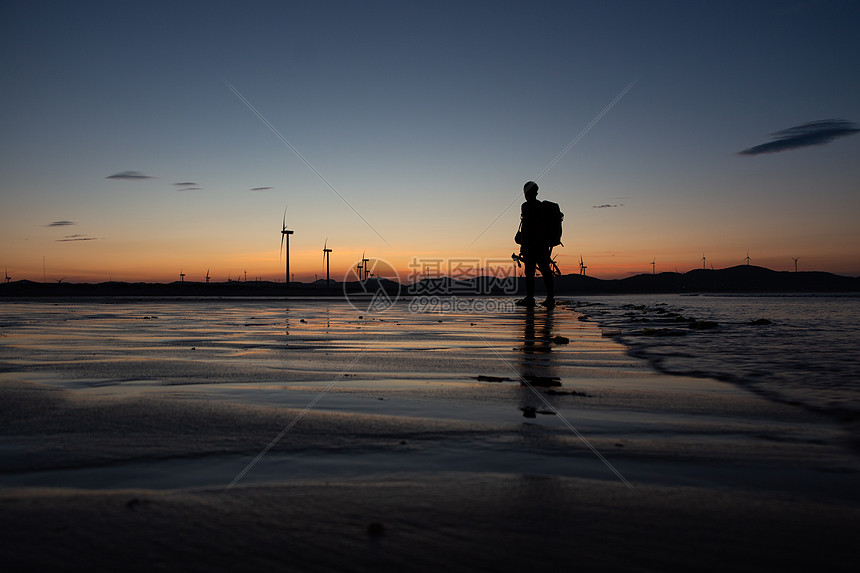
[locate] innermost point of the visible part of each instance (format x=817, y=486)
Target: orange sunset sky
x=140, y=140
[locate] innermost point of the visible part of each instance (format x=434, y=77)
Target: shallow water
x=806, y=353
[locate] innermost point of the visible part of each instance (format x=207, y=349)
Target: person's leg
x=529, y=264
x=548, y=279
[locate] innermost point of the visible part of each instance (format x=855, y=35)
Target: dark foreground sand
x=447, y=522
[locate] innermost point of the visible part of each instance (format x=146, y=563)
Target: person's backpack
x=552, y=217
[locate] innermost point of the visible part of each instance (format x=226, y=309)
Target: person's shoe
x=549, y=303
x=528, y=301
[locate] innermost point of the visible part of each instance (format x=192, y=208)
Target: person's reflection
x=536, y=366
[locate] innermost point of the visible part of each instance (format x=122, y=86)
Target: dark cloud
x=60, y=223
x=76, y=238
x=607, y=206
x=129, y=176
x=805, y=135
x=261, y=188
x=187, y=184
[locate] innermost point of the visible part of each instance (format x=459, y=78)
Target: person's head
x=530, y=190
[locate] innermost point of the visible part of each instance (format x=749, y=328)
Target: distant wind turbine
x=181, y=276
x=795, y=265
x=326, y=253
x=653, y=265
x=207, y=276
x=582, y=266
x=9, y=279
x=747, y=259
x=286, y=233
x=704, y=260
x=364, y=262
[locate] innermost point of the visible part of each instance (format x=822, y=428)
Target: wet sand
x=422, y=450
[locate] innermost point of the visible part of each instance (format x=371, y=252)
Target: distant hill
x=739, y=279
x=742, y=278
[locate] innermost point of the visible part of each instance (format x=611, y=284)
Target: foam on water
x=803, y=352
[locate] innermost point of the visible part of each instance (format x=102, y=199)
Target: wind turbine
x=207, y=276
x=181, y=276
x=704, y=260
x=326, y=253
x=9, y=279
x=582, y=266
x=795, y=266
x=653, y=265
x=747, y=259
x=286, y=233
x=364, y=262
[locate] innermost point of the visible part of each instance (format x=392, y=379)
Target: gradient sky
x=425, y=118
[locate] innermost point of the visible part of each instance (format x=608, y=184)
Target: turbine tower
x=286, y=233
x=704, y=261
x=9, y=279
x=795, y=265
x=326, y=253
x=747, y=259
x=653, y=265
x=207, y=276
x=364, y=262
x=582, y=266
x=181, y=276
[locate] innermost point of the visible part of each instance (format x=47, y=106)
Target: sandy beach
x=308, y=436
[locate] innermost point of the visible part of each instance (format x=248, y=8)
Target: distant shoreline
x=738, y=279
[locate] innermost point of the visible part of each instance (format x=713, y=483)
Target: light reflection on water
x=170, y=380
x=273, y=341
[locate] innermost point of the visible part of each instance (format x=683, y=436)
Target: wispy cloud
x=69, y=238
x=129, y=176
x=187, y=184
x=60, y=223
x=805, y=135
x=191, y=189
x=261, y=188
x=607, y=206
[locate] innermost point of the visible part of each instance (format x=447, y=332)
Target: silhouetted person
x=540, y=231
